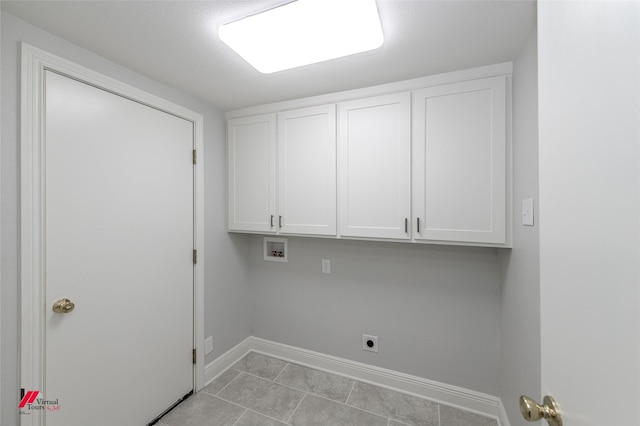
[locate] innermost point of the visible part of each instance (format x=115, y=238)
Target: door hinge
x=194, y=356
x=195, y=256
x=195, y=156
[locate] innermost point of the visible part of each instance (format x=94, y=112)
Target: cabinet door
x=307, y=171
x=459, y=162
x=374, y=167
x=252, y=173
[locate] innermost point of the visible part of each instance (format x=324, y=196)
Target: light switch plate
x=326, y=266
x=527, y=212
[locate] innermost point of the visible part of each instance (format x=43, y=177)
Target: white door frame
x=32, y=236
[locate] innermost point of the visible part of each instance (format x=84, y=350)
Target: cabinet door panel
x=374, y=167
x=252, y=173
x=307, y=171
x=459, y=162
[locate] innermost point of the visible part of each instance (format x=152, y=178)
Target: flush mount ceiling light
x=304, y=32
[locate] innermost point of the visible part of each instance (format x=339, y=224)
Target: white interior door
x=589, y=92
x=119, y=240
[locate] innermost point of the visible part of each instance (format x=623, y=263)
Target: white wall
x=435, y=309
x=520, y=274
x=589, y=97
x=227, y=307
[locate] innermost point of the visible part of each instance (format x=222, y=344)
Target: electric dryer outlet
x=370, y=343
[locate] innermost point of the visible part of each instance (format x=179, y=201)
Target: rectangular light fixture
x=304, y=32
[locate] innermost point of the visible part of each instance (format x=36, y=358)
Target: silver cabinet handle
x=406, y=225
x=272, y=221
x=418, y=225
x=280, y=221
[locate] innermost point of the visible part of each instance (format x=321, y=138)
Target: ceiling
x=175, y=42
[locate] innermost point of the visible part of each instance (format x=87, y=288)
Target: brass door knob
x=63, y=306
x=533, y=411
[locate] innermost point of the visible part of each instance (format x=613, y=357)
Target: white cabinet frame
x=460, y=163
x=307, y=171
x=493, y=219
x=374, y=167
x=252, y=173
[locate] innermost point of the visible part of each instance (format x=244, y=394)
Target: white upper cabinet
x=459, y=162
x=307, y=171
x=251, y=145
x=420, y=165
x=374, y=167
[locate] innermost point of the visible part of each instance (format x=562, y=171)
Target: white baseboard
x=502, y=415
x=226, y=360
x=469, y=400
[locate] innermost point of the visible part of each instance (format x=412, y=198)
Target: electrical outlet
x=326, y=266
x=369, y=343
x=208, y=345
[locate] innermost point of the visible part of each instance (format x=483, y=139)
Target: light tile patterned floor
x=263, y=391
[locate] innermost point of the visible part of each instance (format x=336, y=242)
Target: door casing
x=32, y=326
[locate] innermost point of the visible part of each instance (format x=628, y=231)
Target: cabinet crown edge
x=500, y=69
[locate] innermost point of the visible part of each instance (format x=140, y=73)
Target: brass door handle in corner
x=533, y=411
x=63, y=306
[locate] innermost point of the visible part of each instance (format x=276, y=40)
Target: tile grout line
x=296, y=409
x=396, y=420
x=230, y=402
x=225, y=386
x=240, y=372
x=353, y=407
x=362, y=409
x=266, y=415
x=288, y=386
x=353, y=385
x=238, y=419
x=307, y=392
x=256, y=376
x=245, y=409
x=279, y=384
x=281, y=371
